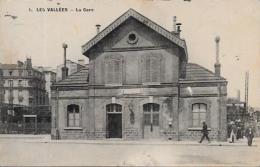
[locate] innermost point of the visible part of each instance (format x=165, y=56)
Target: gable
x=144, y=21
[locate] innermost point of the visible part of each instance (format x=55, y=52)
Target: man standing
x=250, y=136
x=233, y=134
x=204, y=132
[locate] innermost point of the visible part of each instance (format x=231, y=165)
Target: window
x=199, y=111
x=73, y=116
x=113, y=70
x=29, y=72
x=10, y=83
x=10, y=73
x=151, y=69
x=151, y=113
x=20, y=96
x=20, y=82
x=132, y=38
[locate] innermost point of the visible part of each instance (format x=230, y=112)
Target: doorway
x=114, y=121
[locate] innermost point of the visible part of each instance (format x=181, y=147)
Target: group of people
x=249, y=133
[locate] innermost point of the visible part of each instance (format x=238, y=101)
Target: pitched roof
x=78, y=78
x=195, y=72
x=134, y=14
x=9, y=66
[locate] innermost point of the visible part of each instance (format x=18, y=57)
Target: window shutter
x=114, y=70
x=117, y=72
x=148, y=70
x=109, y=71
x=152, y=67
x=143, y=71
x=155, y=68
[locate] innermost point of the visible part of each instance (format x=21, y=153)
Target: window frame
x=199, y=113
x=74, y=111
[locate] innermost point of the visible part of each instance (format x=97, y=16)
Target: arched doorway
x=151, y=120
x=114, y=120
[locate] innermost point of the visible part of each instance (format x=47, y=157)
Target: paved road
x=34, y=153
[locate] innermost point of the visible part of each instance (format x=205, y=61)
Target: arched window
x=73, y=119
x=151, y=113
x=113, y=70
x=199, y=111
x=151, y=69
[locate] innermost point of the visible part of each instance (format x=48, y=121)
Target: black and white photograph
x=130, y=83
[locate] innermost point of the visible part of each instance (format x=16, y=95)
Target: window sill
x=197, y=129
x=73, y=128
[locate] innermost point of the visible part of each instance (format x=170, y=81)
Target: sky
x=40, y=34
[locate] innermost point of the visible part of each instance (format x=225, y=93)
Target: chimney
x=98, y=28
x=20, y=64
x=178, y=32
x=174, y=24
x=28, y=63
x=217, y=64
x=81, y=62
x=64, y=69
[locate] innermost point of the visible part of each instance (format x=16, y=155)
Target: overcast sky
x=40, y=35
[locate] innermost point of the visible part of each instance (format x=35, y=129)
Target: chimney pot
x=98, y=28
x=178, y=29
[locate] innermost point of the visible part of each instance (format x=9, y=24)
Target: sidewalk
x=47, y=139
x=24, y=137
x=241, y=142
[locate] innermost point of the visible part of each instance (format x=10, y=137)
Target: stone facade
x=138, y=85
x=23, y=94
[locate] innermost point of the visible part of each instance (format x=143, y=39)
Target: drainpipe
x=178, y=112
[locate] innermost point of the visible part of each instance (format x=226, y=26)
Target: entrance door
x=151, y=120
x=114, y=121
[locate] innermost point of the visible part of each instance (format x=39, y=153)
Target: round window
x=132, y=38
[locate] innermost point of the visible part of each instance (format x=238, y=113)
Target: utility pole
x=246, y=91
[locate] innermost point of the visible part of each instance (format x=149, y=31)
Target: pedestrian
x=204, y=132
x=233, y=133
x=249, y=136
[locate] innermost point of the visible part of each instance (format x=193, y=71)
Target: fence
x=25, y=128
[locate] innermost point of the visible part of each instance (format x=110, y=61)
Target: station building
x=139, y=85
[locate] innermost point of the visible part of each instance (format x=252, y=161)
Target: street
x=124, y=153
